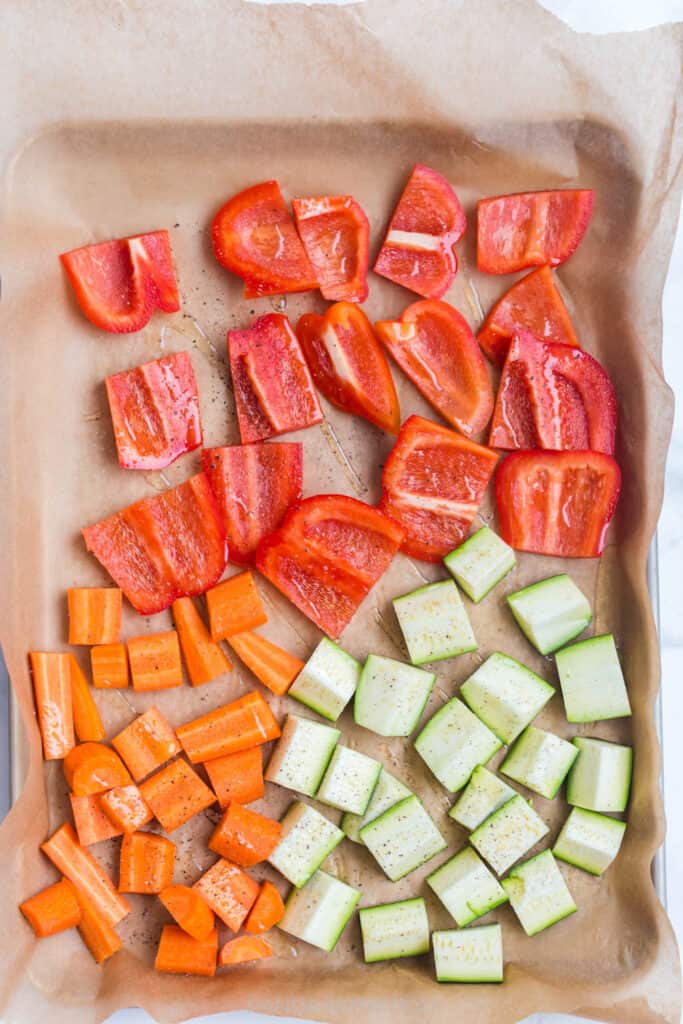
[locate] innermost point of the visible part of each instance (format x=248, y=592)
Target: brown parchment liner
x=128, y=117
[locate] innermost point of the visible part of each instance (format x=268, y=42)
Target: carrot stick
x=96, y=932
x=155, y=661
x=275, y=668
x=94, y=615
x=242, y=950
x=125, y=808
x=52, y=910
x=229, y=891
x=147, y=743
x=179, y=953
x=266, y=912
x=93, y=768
x=244, y=836
x=146, y=863
x=175, y=794
x=234, y=605
x=52, y=691
x=188, y=909
x=204, y=659
x=109, y=665
x=81, y=868
x=92, y=824
x=237, y=776
x=246, y=722
x=87, y=720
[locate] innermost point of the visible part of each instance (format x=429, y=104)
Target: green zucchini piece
x=453, y=742
x=388, y=792
x=473, y=955
x=589, y=840
x=482, y=795
x=319, y=912
x=328, y=680
x=394, y=930
x=506, y=695
x=508, y=834
x=308, y=838
x=434, y=623
x=551, y=612
x=600, y=778
x=593, y=687
x=538, y=893
x=391, y=696
x=540, y=761
x=349, y=781
x=302, y=754
x=480, y=563
x=403, y=838
x=466, y=887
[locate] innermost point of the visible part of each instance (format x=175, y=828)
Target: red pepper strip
x=557, y=503
x=553, y=396
x=119, y=284
x=335, y=232
x=436, y=349
x=348, y=365
x=160, y=548
x=155, y=412
x=417, y=251
x=530, y=229
x=432, y=485
x=254, y=485
x=254, y=236
x=273, y=389
x=532, y=304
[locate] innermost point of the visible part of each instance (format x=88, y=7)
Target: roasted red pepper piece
x=273, y=389
x=119, y=284
x=553, y=396
x=254, y=236
x=327, y=555
x=432, y=485
x=348, y=365
x=254, y=485
x=417, y=251
x=435, y=348
x=531, y=228
x=533, y=304
x=172, y=545
x=155, y=412
x=557, y=503
x=335, y=233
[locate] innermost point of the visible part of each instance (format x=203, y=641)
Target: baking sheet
x=325, y=100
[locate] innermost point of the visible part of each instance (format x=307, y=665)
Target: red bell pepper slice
x=327, y=555
x=435, y=348
x=532, y=304
x=254, y=236
x=417, y=251
x=155, y=412
x=335, y=233
x=161, y=548
x=432, y=485
x=273, y=389
x=553, y=396
x=348, y=364
x=119, y=284
x=254, y=485
x=531, y=228
x=557, y=503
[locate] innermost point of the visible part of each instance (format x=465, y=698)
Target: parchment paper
x=130, y=116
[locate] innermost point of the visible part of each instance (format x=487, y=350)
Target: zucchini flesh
x=328, y=680
x=480, y=563
x=538, y=893
x=540, y=761
x=403, y=838
x=600, y=778
x=483, y=795
x=308, y=838
x=466, y=887
x=505, y=695
x=434, y=623
x=302, y=754
x=319, y=912
x=593, y=687
x=453, y=742
x=349, y=780
x=472, y=955
x=589, y=840
x=551, y=612
x=388, y=792
x=394, y=930
x=508, y=834
x=391, y=696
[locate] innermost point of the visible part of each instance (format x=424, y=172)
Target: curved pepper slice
x=553, y=396
x=531, y=228
x=335, y=233
x=119, y=284
x=172, y=545
x=432, y=485
x=417, y=251
x=557, y=503
x=348, y=364
x=532, y=304
x=435, y=348
x=254, y=236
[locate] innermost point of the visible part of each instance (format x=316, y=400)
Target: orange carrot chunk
x=94, y=615
x=109, y=665
x=242, y=950
x=229, y=891
x=52, y=690
x=175, y=794
x=96, y=932
x=246, y=722
x=147, y=743
x=93, y=768
x=125, y=808
x=81, y=868
x=87, y=720
x=204, y=659
x=146, y=863
x=92, y=824
x=274, y=667
x=179, y=953
x=237, y=776
x=155, y=661
x=234, y=605
x=268, y=910
x=52, y=910
x=189, y=910
x=244, y=836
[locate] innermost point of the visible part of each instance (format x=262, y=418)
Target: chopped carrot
x=155, y=661
x=52, y=690
x=147, y=743
x=242, y=950
x=95, y=930
x=81, y=868
x=204, y=659
x=189, y=910
x=175, y=794
x=246, y=722
x=274, y=667
x=234, y=605
x=268, y=910
x=94, y=768
x=125, y=808
x=92, y=824
x=146, y=864
x=109, y=665
x=245, y=837
x=229, y=891
x=94, y=615
x=87, y=720
x=52, y=910
x=179, y=953
x=237, y=776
